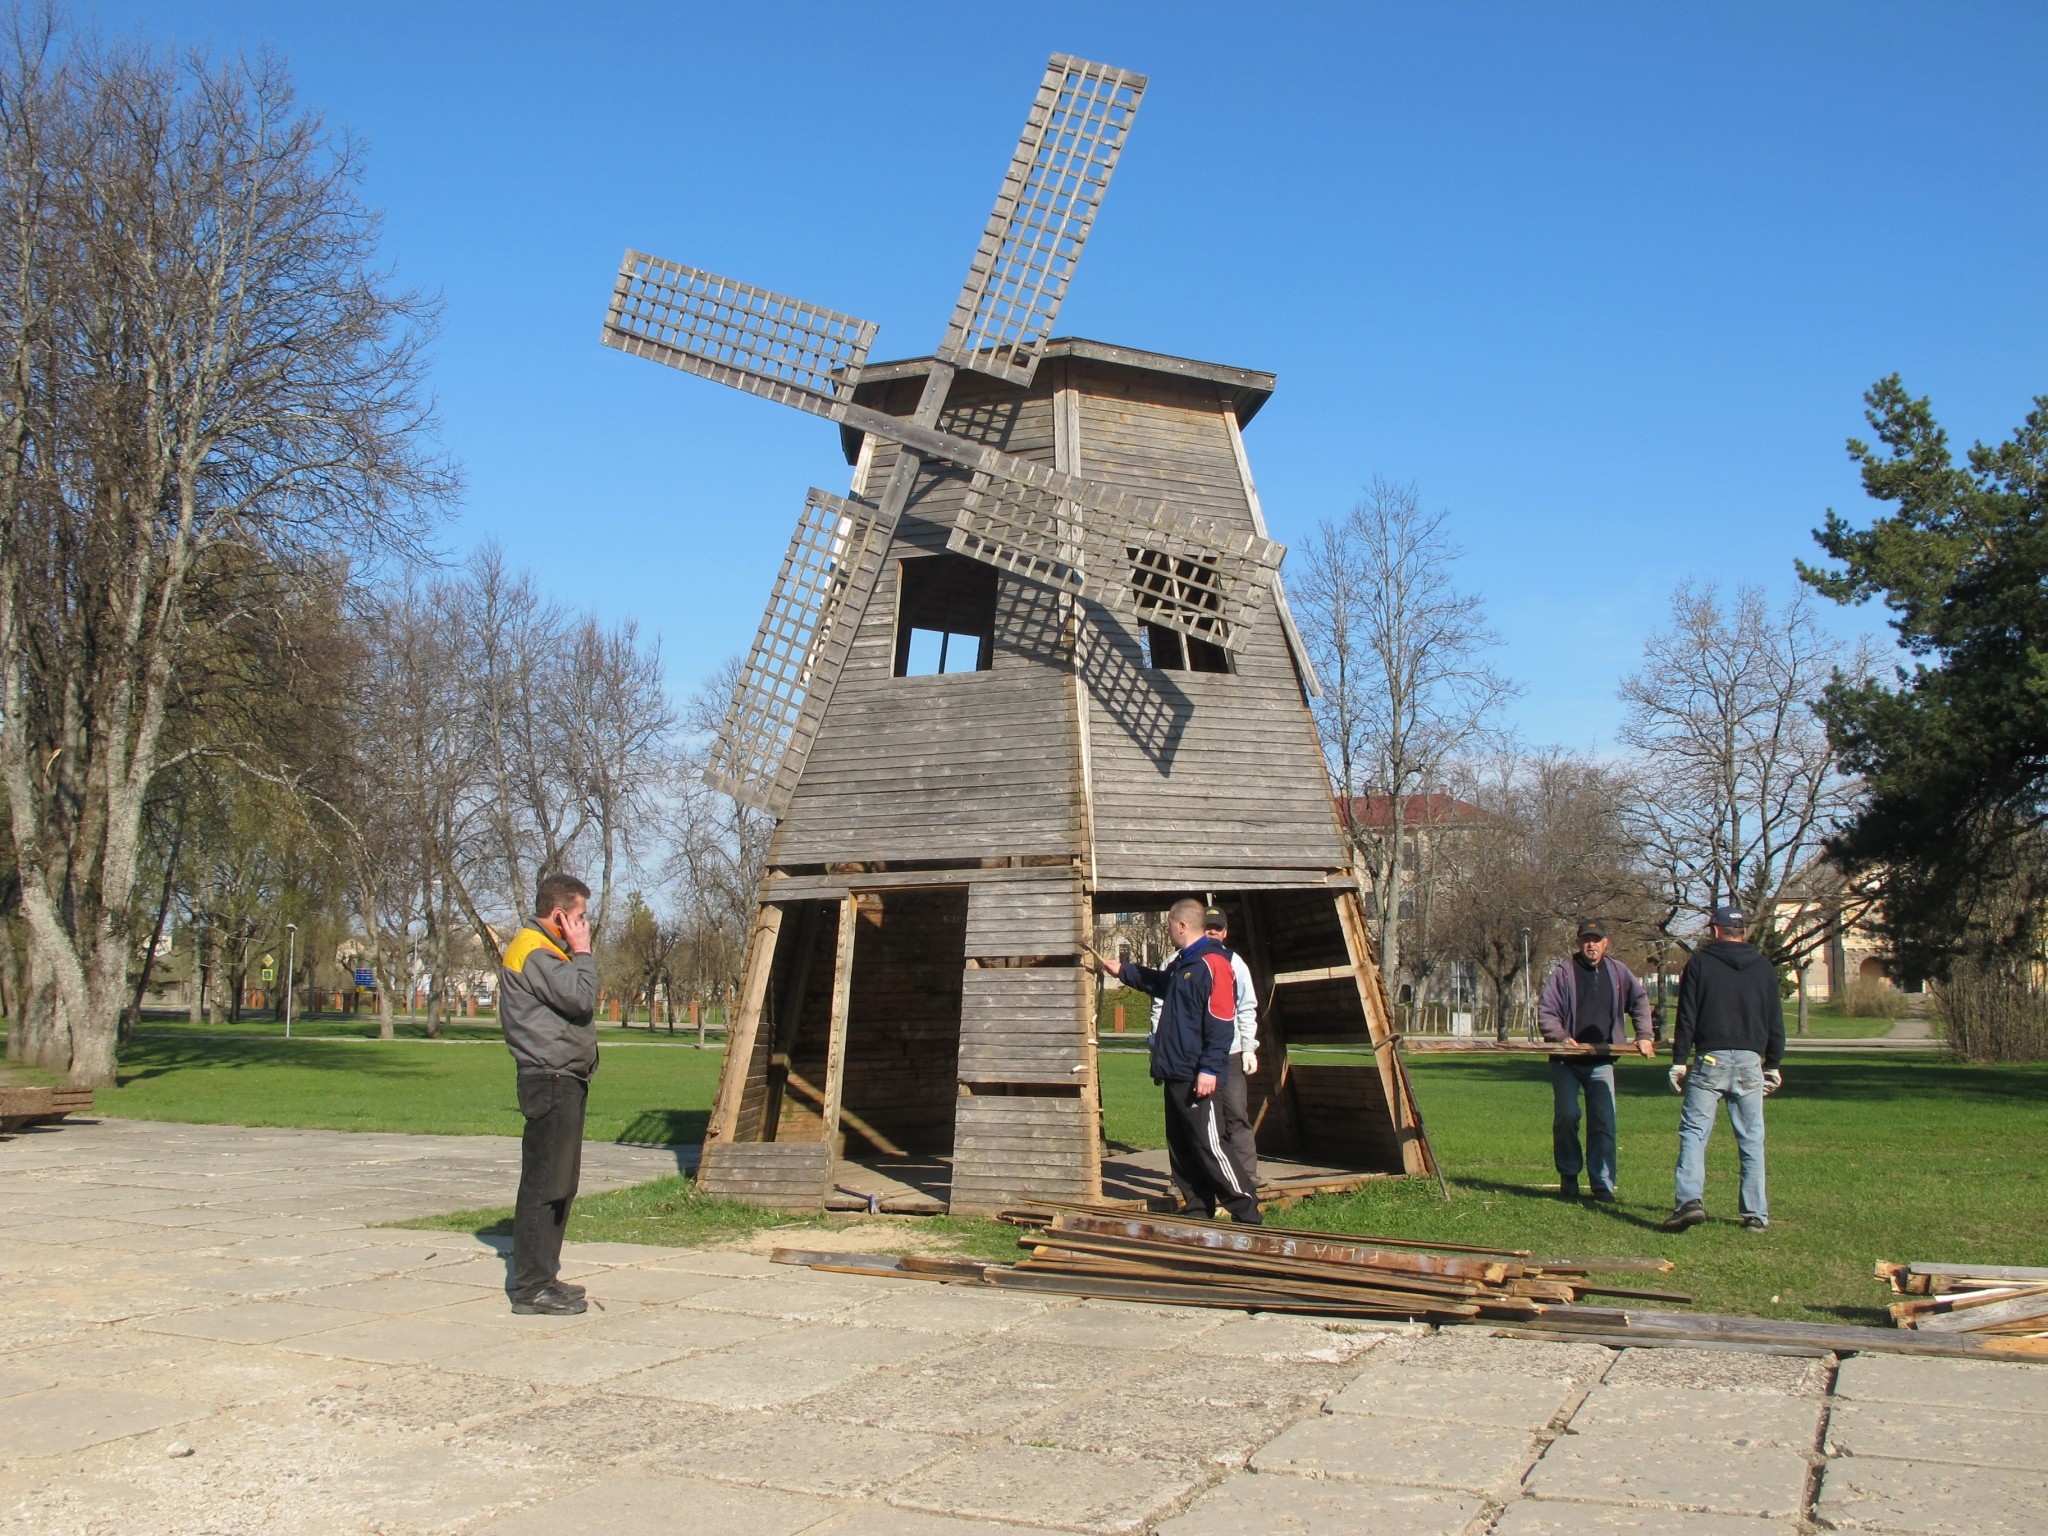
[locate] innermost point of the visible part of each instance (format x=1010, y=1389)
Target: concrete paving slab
x=14, y=1382
x=797, y=1294
x=907, y=1522
x=495, y=1311
x=1271, y=1336
x=559, y=1360
x=1647, y=1415
x=947, y=1309
x=1253, y=1505
x=777, y=1450
x=394, y=1340
x=1526, y=1403
x=1720, y=1370
x=1533, y=1517
x=1475, y=1349
x=681, y=1331
x=927, y=1402
x=1930, y=1433
x=2009, y=1386
x=1355, y=1448
x=1113, y=1325
x=59, y=1419
x=733, y=1379
x=578, y=1432
x=252, y=1322
x=390, y=1296
x=642, y=1504
x=1046, y=1486
x=408, y=1399
x=1931, y=1499
x=240, y=1376
x=1200, y=1380
x=1130, y=1424
x=722, y=1261
x=1768, y=1481
x=649, y=1285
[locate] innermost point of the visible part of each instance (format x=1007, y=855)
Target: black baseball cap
x=1212, y=917
x=1592, y=928
x=1727, y=915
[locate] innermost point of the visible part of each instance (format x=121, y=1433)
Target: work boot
x=1602, y=1194
x=1567, y=1188
x=548, y=1301
x=1690, y=1214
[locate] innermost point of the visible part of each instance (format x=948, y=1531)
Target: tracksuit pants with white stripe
x=1199, y=1155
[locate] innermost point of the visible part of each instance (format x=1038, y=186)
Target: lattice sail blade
x=765, y=343
x=1143, y=559
x=820, y=594
x=1075, y=131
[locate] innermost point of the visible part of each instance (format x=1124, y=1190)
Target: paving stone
x=1535, y=1517
x=654, y=1285
x=1140, y=1424
x=254, y=1322
x=1920, y=1432
x=59, y=1419
x=411, y=1399
x=239, y=1375
x=1650, y=1414
x=1722, y=1370
x=393, y=1340
x=683, y=1331
x=1117, y=1325
x=1358, y=1448
x=800, y=1295
x=494, y=1311
x=1195, y=1377
x=2009, y=1386
x=1717, y=1476
x=388, y=1296
x=1270, y=1336
x=559, y=1360
x=952, y=1309
x=924, y=1403
x=722, y=1261
x=1251, y=1505
x=1874, y=1494
x=641, y=1504
x=1045, y=1486
x=592, y=1429
x=741, y=1377
x=909, y=1522
x=776, y=1450
x=1527, y=1403
x=13, y=1381
x=1474, y=1349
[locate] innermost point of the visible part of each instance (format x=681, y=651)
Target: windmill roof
x=1250, y=387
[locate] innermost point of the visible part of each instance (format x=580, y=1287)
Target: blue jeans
x=1567, y=1080
x=1737, y=1079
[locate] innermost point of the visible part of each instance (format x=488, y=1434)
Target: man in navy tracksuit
x=1190, y=1058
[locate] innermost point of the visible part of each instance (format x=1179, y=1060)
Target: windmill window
x=945, y=616
x=1190, y=592
x=1168, y=650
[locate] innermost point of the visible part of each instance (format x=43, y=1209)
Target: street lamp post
x=1525, y=979
x=291, y=960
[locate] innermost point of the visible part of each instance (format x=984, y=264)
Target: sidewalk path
x=204, y=1335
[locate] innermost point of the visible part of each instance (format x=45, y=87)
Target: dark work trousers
x=550, y=1163
x=1237, y=1124
x=1199, y=1158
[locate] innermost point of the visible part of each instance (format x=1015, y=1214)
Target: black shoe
x=549, y=1302
x=1756, y=1223
x=1690, y=1214
x=1603, y=1194
x=1568, y=1189
x=567, y=1289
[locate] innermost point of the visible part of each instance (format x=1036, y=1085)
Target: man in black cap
x=1731, y=1021
x=1586, y=1001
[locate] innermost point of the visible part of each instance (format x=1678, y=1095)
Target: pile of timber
x=1109, y=1253
x=1995, y=1302
x=21, y=1107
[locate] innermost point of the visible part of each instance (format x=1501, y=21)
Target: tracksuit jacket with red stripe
x=1199, y=1019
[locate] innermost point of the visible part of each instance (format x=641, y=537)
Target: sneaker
x=1756, y=1223
x=1567, y=1189
x=549, y=1302
x=1690, y=1214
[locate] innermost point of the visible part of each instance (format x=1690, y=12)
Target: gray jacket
x=545, y=1002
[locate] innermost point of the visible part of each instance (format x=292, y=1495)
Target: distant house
x=1818, y=902
x=1431, y=824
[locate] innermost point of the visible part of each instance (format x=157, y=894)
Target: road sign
x=366, y=978
x=269, y=973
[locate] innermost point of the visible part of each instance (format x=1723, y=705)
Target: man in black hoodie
x=1731, y=1021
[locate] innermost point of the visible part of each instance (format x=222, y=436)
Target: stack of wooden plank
x=21, y=1107
x=2002, y=1301
x=1103, y=1251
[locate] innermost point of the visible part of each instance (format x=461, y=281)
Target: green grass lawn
x=1872, y=1156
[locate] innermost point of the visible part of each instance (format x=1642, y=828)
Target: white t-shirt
x=1246, y=1037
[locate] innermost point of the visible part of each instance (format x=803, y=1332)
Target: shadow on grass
x=1858, y=1079
x=153, y=1055
x=665, y=1128
x=1545, y=1196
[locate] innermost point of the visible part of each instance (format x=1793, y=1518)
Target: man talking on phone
x=547, y=994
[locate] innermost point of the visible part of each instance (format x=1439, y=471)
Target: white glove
x=1678, y=1076
x=1773, y=1080
x=1250, y=1060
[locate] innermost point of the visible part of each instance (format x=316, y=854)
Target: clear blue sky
x=1606, y=281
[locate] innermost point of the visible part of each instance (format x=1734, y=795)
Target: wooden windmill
x=1037, y=666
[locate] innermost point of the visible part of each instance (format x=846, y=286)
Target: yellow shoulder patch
x=523, y=944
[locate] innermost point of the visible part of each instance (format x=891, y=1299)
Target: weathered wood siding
x=782, y=1175
x=1009, y=1147
x=903, y=1026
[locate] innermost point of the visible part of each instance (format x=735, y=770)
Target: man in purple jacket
x=1586, y=1001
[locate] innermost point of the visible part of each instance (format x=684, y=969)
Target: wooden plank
x=732, y=1081
x=780, y=1174
x=842, y=999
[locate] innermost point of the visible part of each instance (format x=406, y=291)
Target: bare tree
x=718, y=848
x=1736, y=786
x=1406, y=687
x=197, y=357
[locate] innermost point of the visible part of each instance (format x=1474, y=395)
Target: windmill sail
x=820, y=594
x=1075, y=131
